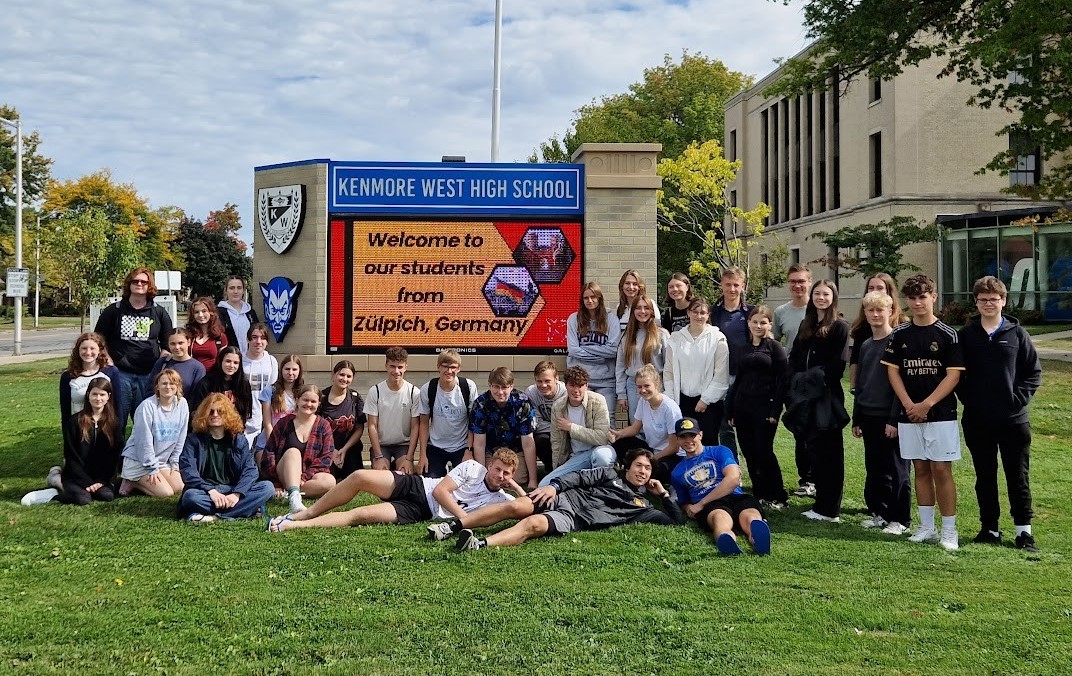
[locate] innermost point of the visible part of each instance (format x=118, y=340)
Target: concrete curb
x=28, y=358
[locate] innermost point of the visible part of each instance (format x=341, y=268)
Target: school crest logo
x=281, y=211
x=280, y=304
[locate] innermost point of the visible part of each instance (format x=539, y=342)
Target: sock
x=1023, y=529
x=455, y=526
x=926, y=516
x=291, y=490
x=995, y=533
x=949, y=522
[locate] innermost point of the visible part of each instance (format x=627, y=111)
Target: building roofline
x=766, y=80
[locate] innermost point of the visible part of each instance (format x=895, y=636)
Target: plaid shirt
x=318, y=450
x=504, y=425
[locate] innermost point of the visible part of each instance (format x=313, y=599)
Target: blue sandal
x=275, y=522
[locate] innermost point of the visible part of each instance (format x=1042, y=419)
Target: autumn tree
x=1017, y=56
x=875, y=247
x=693, y=204
x=36, y=173
x=213, y=251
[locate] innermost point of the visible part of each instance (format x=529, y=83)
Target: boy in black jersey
x=924, y=362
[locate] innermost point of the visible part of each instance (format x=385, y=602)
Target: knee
x=80, y=498
x=521, y=508
x=534, y=526
x=603, y=456
x=104, y=494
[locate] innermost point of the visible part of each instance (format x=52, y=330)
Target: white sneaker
x=949, y=540
x=895, y=528
x=296, y=504
x=805, y=491
x=924, y=534
x=875, y=521
x=39, y=497
x=53, y=479
x=816, y=516
x=440, y=531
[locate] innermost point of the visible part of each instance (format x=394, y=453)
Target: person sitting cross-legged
x=580, y=422
x=218, y=473
x=708, y=485
x=589, y=499
x=409, y=498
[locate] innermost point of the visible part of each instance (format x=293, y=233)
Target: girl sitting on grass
x=278, y=399
x=299, y=451
x=151, y=455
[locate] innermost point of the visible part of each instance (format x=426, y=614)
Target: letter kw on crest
x=281, y=211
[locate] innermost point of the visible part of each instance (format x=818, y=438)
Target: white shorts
x=929, y=440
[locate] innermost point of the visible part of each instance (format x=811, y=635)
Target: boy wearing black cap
x=708, y=486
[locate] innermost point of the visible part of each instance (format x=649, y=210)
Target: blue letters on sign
x=435, y=188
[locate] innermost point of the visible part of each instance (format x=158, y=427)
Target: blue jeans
x=133, y=389
x=197, y=501
x=632, y=396
x=600, y=456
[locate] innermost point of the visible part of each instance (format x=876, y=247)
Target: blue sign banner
x=440, y=188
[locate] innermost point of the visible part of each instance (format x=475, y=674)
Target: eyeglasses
x=798, y=282
x=987, y=301
x=215, y=411
x=139, y=282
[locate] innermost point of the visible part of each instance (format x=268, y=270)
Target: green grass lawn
x=8, y=323
x=1043, y=329
x=124, y=588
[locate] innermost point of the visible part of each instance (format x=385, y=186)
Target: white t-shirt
x=394, y=410
x=79, y=387
x=261, y=373
x=657, y=425
x=472, y=493
x=542, y=406
x=448, y=425
x=576, y=416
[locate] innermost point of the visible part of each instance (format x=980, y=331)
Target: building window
x=822, y=151
x=832, y=263
x=875, y=163
x=796, y=158
x=776, y=148
x=733, y=198
x=764, y=159
x=786, y=161
x=732, y=150
x=809, y=174
x=835, y=142
x=1028, y=167
x=794, y=255
x=874, y=90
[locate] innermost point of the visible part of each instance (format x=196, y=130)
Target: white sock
x=926, y=516
x=1023, y=529
x=949, y=522
x=292, y=490
x=995, y=533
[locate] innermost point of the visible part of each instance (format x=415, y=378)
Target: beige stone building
x=909, y=146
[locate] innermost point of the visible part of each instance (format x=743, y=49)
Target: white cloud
x=183, y=99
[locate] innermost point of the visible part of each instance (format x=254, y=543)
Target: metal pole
x=495, y=93
x=37, y=277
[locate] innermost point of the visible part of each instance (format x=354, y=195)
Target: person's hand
x=692, y=509
x=94, y=488
x=772, y=421
x=891, y=432
x=563, y=424
x=381, y=463
x=404, y=465
x=731, y=423
x=422, y=465
x=219, y=500
x=280, y=493
x=612, y=435
x=231, y=500
x=701, y=407
x=543, y=497
x=623, y=404
x=338, y=457
x=154, y=478
x=857, y=432
x=917, y=413
x=655, y=486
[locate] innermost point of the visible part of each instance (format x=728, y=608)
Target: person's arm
x=731, y=479
x=901, y=394
x=573, y=341
x=184, y=428
x=944, y=389
x=630, y=431
x=188, y=469
x=324, y=448
x=620, y=366
x=608, y=350
x=142, y=437
x=165, y=326
x=598, y=417
x=414, y=438
x=65, y=399
x=672, y=446
x=779, y=379
x=443, y=494
x=669, y=384
x=720, y=378
x=422, y=440
x=76, y=453
x=528, y=448
x=480, y=442
x=666, y=513
x=1028, y=375
x=375, y=452
x=584, y=478
x=247, y=469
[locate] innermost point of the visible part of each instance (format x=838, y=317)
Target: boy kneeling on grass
x=708, y=484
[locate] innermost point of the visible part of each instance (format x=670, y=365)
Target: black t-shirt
x=923, y=355
x=674, y=319
x=343, y=416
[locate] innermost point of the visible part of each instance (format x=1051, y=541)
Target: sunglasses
x=215, y=411
x=139, y=282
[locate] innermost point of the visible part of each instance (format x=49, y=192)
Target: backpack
x=433, y=386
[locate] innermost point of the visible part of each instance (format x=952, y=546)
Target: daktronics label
x=467, y=284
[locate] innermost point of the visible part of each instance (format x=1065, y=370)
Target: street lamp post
x=37, y=276
x=17, y=124
x=497, y=77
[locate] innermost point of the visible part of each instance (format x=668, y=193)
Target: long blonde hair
x=652, y=339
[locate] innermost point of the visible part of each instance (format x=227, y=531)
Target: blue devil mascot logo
x=280, y=303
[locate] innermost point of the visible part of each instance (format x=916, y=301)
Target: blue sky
x=183, y=99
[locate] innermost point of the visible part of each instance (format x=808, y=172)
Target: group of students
x=249, y=428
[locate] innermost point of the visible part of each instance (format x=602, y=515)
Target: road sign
x=18, y=282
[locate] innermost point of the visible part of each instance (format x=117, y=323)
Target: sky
x=184, y=98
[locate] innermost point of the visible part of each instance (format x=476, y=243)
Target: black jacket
x=602, y=499
x=90, y=461
x=134, y=337
x=1001, y=373
x=812, y=407
x=228, y=328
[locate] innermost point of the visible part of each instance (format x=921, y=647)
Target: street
x=42, y=341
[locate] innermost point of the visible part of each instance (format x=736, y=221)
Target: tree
x=693, y=204
x=122, y=206
x=674, y=105
x=876, y=247
x=1017, y=55
x=96, y=255
x=213, y=251
x=36, y=173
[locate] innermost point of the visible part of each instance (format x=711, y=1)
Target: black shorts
x=408, y=499
x=734, y=503
x=561, y=516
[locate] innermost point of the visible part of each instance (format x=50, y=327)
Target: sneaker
x=1026, y=542
x=440, y=531
x=201, y=518
x=805, y=491
x=727, y=545
x=816, y=516
x=895, y=528
x=760, y=537
x=468, y=540
x=296, y=504
x=987, y=537
x=39, y=497
x=875, y=521
x=53, y=479
x=949, y=540
x=772, y=505
x=924, y=534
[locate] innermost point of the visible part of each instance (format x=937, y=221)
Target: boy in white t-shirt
x=408, y=498
x=261, y=370
x=393, y=410
x=445, y=405
x=543, y=393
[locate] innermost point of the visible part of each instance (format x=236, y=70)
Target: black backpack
x=433, y=386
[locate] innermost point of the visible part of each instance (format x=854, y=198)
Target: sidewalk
x=8, y=358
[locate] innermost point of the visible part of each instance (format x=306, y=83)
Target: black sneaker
x=1026, y=542
x=468, y=540
x=987, y=537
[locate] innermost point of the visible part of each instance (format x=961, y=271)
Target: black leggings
x=756, y=437
x=73, y=494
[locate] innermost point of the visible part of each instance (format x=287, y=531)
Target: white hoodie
x=697, y=366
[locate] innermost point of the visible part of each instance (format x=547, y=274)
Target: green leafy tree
x=96, y=255
x=876, y=247
x=1018, y=56
x=693, y=204
x=36, y=173
x=213, y=251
